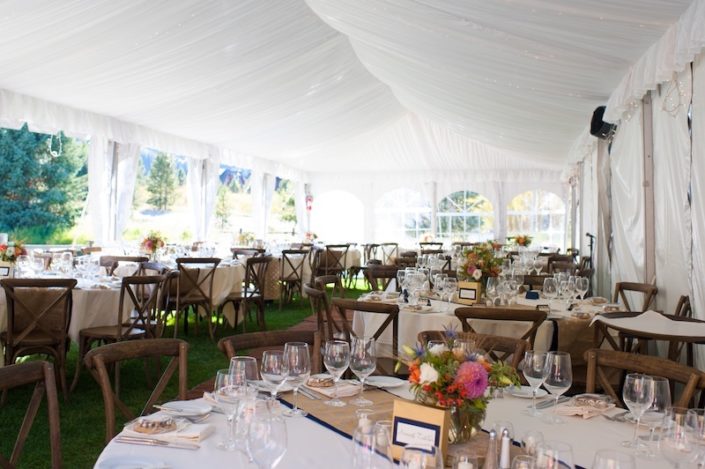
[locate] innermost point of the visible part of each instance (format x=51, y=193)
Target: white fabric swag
x=100, y=160
x=203, y=180
x=128, y=163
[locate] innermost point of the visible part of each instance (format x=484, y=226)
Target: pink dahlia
x=471, y=379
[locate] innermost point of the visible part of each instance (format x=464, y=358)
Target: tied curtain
x=127, y=165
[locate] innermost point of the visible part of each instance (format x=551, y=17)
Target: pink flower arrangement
x=472, y=380
x=152, y=242
x=11, y=251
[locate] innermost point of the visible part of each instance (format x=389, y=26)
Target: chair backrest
x=683, y=308
x=332, y=259
x=535, y=282
x=431, y=245
x=255, y=275
x=41, y=374
x=37, y=306
x=153, y=268
x=424, y=252
x=533, y=317
x=292, y=265
x=323, y=282
x=191, y=283
x=562, y=266
x=497, y=347
x=230, y=346
x=342, y=306
x=115, y=261
x=599, y=363
x=246, y=252
x=405, y=261
x=648, y=291
x=558, y=258
x=320, y=307
x=380, y=276
x=389, y=252
x=369, y=252
x=99, y=359
x=141, y=294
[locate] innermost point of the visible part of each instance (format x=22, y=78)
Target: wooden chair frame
x=390, y=251
x=42, y=374
x=230, y=346
x=533, y=316
x=293, y=260
x=246, y=252
x=320, y=307
x=323, y=281
x=649, y=291
x=385, y=273
x=253, y=292
x=497, y=347
x=114, y=261
x=98, y=360
x=193, y=294
x=342, y=305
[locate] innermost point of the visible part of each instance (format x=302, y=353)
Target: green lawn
x=82, y=418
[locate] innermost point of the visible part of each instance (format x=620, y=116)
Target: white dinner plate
x=384, y=381
x=525, y=392
x=186, y=408
x=264, y=386
x=131, y=462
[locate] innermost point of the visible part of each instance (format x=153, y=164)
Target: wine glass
x=559, y=378
x=383, y=438
x=419, y=456
x=37, y=265
x=336, y=358
x=273, y=370
x=363, y=361
x=226, y=393
x=244, y=366
x=450, y=286
x=677, y=439
x=695, y=420
x=638, y=395
x=534, y=369
x=550, y=289
x=611, y=459
x=530, y=441
x=582, y=285
x=554, y=454
x=298, y=362
x=524, y=461
x=23, y=264
x=438, y=284
x=492, y=289
x=538, y=265
x=654, y=416
x=371, y=446
x=401, y=275
x=266, y=439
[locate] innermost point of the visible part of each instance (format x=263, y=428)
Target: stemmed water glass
x=538, y=265
x=266, y=438
x=450, y=286
x=582, y=285
x=363, y=361
x=554, y=454
x=695, y=421
x=298, y=369
x=654, y=416
x=23, y=264
x=677, y=442
x=438, y=284
x=550, y=289
x=244, y=366
x=336, y=358
x=559, y=378
x=273, y=370
x=492, y=289
x=638, y=395
x=401, y=276
x=534, y=369
x=227, y=393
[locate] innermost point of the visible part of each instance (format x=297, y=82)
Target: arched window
x=465, y=216
x=540, y=214
x=403, y=216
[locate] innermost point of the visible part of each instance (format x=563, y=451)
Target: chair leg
x=82, y=344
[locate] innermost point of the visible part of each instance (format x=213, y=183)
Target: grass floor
x=82, y=417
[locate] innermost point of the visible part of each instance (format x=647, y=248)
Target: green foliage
x=161, y=183
x=40, y=195
x=222, y=207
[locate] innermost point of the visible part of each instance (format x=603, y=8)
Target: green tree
x=161, y=184
x=222, y=207
x=40, y=195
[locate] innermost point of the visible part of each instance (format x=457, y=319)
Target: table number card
x=6, y=269
x=416, y=424
x=469, y=292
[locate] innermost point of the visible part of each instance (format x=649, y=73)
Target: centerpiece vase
x=464, y=424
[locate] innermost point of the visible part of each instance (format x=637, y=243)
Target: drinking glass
x=611, y=459
x=534, y=369
x=550, y=289
x=421, y=457
x=677, y=439
x=582, y=285
x=371, y=447
x=559, y=377
x=266, y=439
x=273, y=370
x=654, y=416
x=438, y=284
x=37, y=265
x=554, y=454
x=524, y=461
x=383, y=438
x=226, y=393
x=530, y=441
x=298, y=364
x=695, y=421
x=638, y=395
x=401, y=275
x=336, y=358
x=363, y=361
x=464, y=461
x=450, y=286
x=244, y=366
x=23, y=264
x=538, y=265
x=492, y=289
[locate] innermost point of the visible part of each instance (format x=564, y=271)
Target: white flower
x=428, y=374
x=10, y=251
x=438, y=349
x=477, y=275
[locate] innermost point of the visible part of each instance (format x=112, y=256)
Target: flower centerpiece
x=152, y=243
x=478, y=263
x=523, y=240
x=11, y=251
x=310, y=236
x=245, y=238
x=449, y=376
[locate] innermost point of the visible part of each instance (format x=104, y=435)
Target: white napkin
x=185, y=431
x=345, y=389
x=585, y=411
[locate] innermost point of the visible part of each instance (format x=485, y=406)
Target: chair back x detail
x=533, y=317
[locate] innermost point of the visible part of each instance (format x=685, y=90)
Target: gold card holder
x=469, y=292
x=416, y=424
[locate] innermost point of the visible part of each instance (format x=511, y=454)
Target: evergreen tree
x=222, y=207
x=40, y=195
x=162, y=183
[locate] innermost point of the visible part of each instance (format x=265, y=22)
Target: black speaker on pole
x=598, y=127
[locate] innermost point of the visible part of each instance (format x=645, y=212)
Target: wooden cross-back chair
x=320, y=307
x=140, y=296
x=535, y=282
x=388, y=252
x=169, y=293
x=369, y=252
x=232, y=345
x=252, y=292
x=405, y=261
x=648, y=291
x=111, y=263
x=291, y=274
x=533, y=317
x=561, y=266
x=380, y=276
x=332, y=282
x=99, y=359
x=558, y=258
x=603, y=364
x=331, y=260
x=497, y=347
x=38, y=317
x=434, y=245
x=41, y=374
x=196, y=289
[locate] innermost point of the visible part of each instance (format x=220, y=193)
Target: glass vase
x=464, y=424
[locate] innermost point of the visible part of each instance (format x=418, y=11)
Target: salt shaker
x=491, y=456
x=504, y=456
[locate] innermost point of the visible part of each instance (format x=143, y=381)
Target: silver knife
x=308, y=394
x=549, y=402
x=156, y=442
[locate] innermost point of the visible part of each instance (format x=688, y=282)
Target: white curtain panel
x=100, y=170
x=627, y=165
x=128, y=158
x=203, y=187
x=698, y=196
x=671, y=186
x=268, y=187
x=300, y=206
x=588, y=203
x=603, y=250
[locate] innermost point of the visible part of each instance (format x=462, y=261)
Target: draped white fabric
x=300, y=206
x=603, y=256
x=698, y=194
x=588, y=202
x=127, y=165
x=671, y=183
x=203, y=186
x=100, y=160
x=627, y=164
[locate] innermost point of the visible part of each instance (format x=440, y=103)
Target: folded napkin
x=345, y=389
x=586, y=406
x=210, y=400
x=185, y=430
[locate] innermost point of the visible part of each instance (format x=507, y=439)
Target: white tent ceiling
x=272, y=78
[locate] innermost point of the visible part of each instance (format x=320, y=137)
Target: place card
x=416, y=424
x=469, y=292
x=6, y=269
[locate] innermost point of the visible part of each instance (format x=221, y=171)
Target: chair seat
x=241, y=297
x=109, y=332
x=191, y=298
x=33, y=339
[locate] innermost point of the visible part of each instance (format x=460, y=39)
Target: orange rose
x=414, y=374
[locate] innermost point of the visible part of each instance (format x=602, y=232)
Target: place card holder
x=6, y=269
x=418, y=424
x=469, y=292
